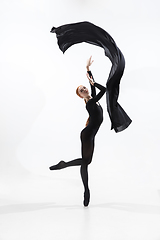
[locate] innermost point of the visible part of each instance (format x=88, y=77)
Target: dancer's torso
x=95, y=119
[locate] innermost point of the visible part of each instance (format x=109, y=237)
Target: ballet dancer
x=89, y=132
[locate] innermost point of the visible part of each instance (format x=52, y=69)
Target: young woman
x=88, y=133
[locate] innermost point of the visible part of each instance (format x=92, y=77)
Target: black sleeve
x=93, y=90
x=101, y=93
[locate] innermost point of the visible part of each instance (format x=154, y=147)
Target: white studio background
x=41, y=116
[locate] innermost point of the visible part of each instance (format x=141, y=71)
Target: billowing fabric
x=74, y=33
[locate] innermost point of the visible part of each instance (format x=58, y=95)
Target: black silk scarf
x=74, y=33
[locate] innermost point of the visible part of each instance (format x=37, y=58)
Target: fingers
x=90, y=61
x=88, y=76
x=90, y=79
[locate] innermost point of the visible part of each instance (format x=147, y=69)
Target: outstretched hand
x=90, y=79
x=89, y=63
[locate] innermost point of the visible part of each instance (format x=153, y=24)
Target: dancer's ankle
x=86, y=197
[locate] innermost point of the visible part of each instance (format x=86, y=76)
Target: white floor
x=50, y=207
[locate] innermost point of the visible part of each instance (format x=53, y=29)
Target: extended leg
x=62, y=164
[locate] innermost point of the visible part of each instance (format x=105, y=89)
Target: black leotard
x=95, y=119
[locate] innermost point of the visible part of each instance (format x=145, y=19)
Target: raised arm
x=101, y=93
x=100, y=87
x=93, y=83
x=93, y=90
x=88, y=64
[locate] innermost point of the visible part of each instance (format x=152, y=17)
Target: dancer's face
x=83, y=91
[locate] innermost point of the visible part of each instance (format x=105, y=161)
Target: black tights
x=87, y=153
x=83, y=169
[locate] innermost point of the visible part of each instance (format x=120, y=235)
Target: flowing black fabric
x=74, y=33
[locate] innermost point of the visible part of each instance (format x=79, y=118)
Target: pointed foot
x=86, y=198
x=58, y=166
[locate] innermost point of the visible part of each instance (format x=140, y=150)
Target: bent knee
x=86, y=161
x=89, y=161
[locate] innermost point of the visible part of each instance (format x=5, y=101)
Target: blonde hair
x=77, y=92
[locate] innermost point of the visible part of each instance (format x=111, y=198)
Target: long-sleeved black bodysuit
x=95, y=119
x=87, y=138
